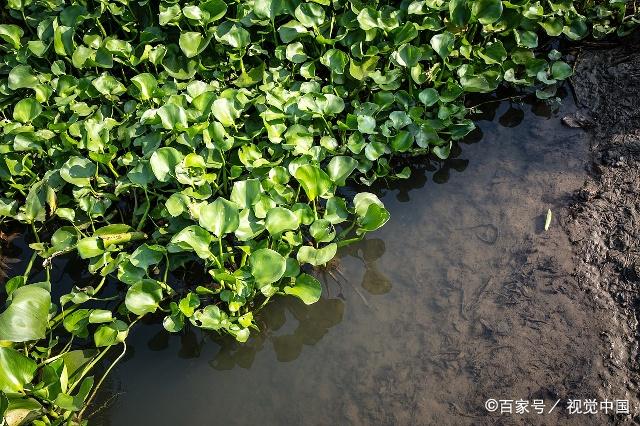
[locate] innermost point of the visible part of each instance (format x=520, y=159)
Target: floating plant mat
x=154, y=137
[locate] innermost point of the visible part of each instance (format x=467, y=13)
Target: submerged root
x=332, y=268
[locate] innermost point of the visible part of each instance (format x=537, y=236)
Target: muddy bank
x=604, y=220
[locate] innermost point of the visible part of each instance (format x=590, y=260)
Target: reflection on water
x=313, y=323
x=416, y=324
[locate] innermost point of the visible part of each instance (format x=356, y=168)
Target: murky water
x=418, y=324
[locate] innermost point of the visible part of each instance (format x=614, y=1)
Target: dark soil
x=604, y=221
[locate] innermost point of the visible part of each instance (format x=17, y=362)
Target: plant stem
x=104, y=376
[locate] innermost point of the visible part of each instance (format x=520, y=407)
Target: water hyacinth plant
x=150, y=137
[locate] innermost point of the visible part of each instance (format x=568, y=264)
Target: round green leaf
x=21, y=76
x=90, y=247
x=443, y=43
x=210, y=318
x=11, y=34
x=561, y=70
x=146, y=84
x=220, y=217
x=16, y=370
x=306, y=288
x=192, y=43
x=108, y=85
x=173, y=117
x=487, y=11
x=192, y=238
x=295, y=53
x=111, y=334
x=164, y=161
x=267, y=266
x=340, y=168
x=26, y=110
x=314, y=181
x=281, y=219
x=317, y=257
x=459, y=12
x=143, y=297
x=27, y=315
x=310, y=14
x=78, y=171
x=246, y=193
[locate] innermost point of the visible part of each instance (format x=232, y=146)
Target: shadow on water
x=412, y=318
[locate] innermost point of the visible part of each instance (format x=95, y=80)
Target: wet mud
x=604, y=220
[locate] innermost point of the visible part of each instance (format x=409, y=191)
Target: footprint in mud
x=486, y=233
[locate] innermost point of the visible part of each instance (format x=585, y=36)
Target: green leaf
x=459, y=12
x=143, y=297
x=487, y=11
x=99, y=316
x=146, y=84
x=76, y=402
x=363, y=200
x=295, y=53
x=336, y=60
x=340, y=168
x=146, y=255
x=233, y=35
x=163, y=163
x=21, y=77
x=27, y=315
x=291, y=31
x=215, y=8
x=553, y=26
x=225, y=112
x=366, y=124
x=108, y=85
x=34, y=207
x=90, y=247
x=408, y=55
x=317, y=257
x=193, y=43
x=306, y=288
x=280, y=219
x=78, y=171
x=310, y=14
x=402, y=141
x=443, y=44
x=322, y=231
x=173, y=117
x=246, y=193
x=26, y=110
x=526, y=38
x=210, y=318
x=16, y=370
x=220, y=217
x=11, y=34
x=192, y=238
x=336, y=210
x=267, y=266
x=374, y=218
x=405, y=33
x=561, y=70
x=429, y=96
x=111, y=334
x=269, y=8
x=314, y=181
